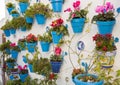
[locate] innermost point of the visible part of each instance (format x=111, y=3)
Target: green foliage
x=24, y=71
x=109, y=16
x=6, y=26
x=23, y=1
x=29, y=12
x=10, y=60
x=56, y=58
x=15, y=48
x=10, y=5
x=5, y=46
x=22, y=43
x=48, y=82
x=14, y=12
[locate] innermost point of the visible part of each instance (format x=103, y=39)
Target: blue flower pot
x=78, y=24
x=40, y=18
x=30, y=67
x=10, y=9
x=23, y=77
x=55, y=37
x=78, y=82
x=23, y=7
x=7, y=51
x=7, y=32
x=29, y=20
x=105, y=27
x=15, y=15
x=14, y=54
x=13, y=31
x=24, y=59
x=55, y=66
x=23, y=28
x=57, y=5
x=10, y=65
x=31, y=47
x=11, y=77
x=45, y=46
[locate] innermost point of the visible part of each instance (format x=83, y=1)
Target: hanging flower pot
x=40, y=18
x=29, y=20
x=7, y=32
x=79, y=82
x=56, y=66
x=105, y=27
x=77, y=24
x=13, y=31
x=45, y=46
x=23, y=28
x=24, y=59
x=30, y=67
x=15, y=13
x=10, y=65
x=23, y=77
x=10, y=7
x=14, y=54
x=57, y=5
x=56, y=37
x=7, y=51
x=31, y=47
x=23, y=7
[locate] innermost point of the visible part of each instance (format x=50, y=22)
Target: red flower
x=51, y=76
x=31, y=37
x=76, y=4
x=69, y=10
x=99, y=44
x=58, y=50
x=104, y=48
x=12, y=44
x=109, y=36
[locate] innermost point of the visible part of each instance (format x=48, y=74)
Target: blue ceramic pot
x=15, y=15
x=23, y=77
x=10, y=65
x=57, y=5
x=13, y=31
x=24, y=59
x=29, y=20
x=23, y=28
x=105, y=27
x=55, y=66
x=14, y=54
x=30, y=67
x=31, y=47
x=45, y=46
x=23, y=7
x=10, y=9
x=78, y=24
x=56, y=37
x=78, y=82
x=7, y=32
x=7, y=51
x=40, y=18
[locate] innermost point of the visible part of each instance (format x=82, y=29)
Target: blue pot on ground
x=29, y=20
x=10, y=9
x=14, y=54
x=30, y=67
x=77, y=24
x=40, y=18
x=23, y=77
x=105, y=27
x=15, y=15
x=13, y=31
x=55, y=66
x=78, y=82
x=31, y=47
x=56, y=37
x=10, y=65
x=23, y=28
x=7, y=32
x=57, y=5
x=23, y=7
x=45, y=46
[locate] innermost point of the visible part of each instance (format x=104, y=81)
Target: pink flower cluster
x=22, y=68
x=104, y=8
x=12, y=44
x=58, y=51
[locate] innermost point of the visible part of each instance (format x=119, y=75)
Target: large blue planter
x=29, y=20
x=30, y=67
x=15, y=15
x=31, y=47
x=55, y=66
x=10, y=9
x=55, y=37
x=45, y=46
x=23, y=7
x=57, y=5
x=40, y=18
x=7, y=32
x=105, y=27
x=78, y=82
x=23, y=77
x=13, y=31
x=14, y=54
x=23, y=28
x=10, y=65
x=78, y=24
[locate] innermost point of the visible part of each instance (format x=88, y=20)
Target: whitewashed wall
x=86, y=37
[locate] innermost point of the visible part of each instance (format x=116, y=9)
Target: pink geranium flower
x=68, y=10
x=58, y=50
x=76, y=4
x=13, y=44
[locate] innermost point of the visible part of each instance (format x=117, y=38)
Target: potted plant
x=15, y=13
x=23, y=4
x=77, y=17
x=23, y=72
x=45, y=41
x=58, y=30
x=31, y=42
x=29, y=15
x=10, y=62
x=41, y=12
x=14, y=50
x=105, y=24
x=56, y=60
x=14, y=71
x=22, y=44
x=10, y=6
x=105, y=47
x=57, y=5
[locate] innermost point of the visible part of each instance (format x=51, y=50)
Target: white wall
x=86, y=37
